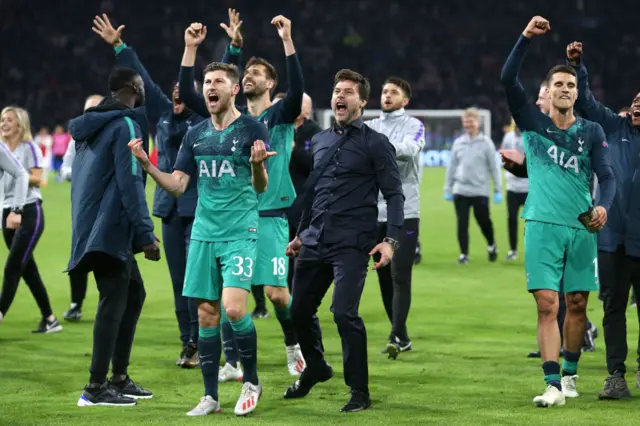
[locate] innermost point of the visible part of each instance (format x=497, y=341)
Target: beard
x=256, y=93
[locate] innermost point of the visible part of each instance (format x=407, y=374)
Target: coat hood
x=89, y=124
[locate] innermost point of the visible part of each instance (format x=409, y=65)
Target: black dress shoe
x=301, y=387
x=359, y=401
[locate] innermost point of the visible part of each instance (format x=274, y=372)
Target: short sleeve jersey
x=227, y=207
x=30, y=157
x=560, y=167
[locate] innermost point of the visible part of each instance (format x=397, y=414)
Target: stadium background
x=471, y=326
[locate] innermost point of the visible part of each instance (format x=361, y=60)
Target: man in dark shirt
x=337, y=234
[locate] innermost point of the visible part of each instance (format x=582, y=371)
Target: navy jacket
x=344, y=210
x=170, y=129
x=108, y=205
x=623, y=222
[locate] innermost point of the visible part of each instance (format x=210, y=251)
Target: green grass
x=471, y=328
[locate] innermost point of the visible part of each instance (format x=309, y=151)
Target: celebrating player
x=618, y=245
x=259, y=81
x=222, y=253
x=562, y=150
x=406, y=134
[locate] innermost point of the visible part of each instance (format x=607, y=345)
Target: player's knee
x=547, y=306
x=279, y=296
x=208, y=320
x=576, y=303
x=235, y=312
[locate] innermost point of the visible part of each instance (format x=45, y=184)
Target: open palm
x=102, y=26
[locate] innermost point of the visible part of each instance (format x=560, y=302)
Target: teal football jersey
x=227, y=207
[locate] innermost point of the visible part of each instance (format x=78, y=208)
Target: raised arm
x=292, y=102
x=10, y=164
x=522, y=111
x=601, y=161
x=586, y=104
x=390, y=184
x=193, y=36
x=233, y=52
x=130, y=186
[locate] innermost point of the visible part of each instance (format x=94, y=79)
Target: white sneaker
x=205, y=406
x=229, y=373
x=551, y=396
x=249, y=397
x=295, y=360
x=569, y=386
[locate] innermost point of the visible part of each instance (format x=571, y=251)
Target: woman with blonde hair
x=15, y=133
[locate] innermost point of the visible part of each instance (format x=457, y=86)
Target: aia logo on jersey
x=605, y=144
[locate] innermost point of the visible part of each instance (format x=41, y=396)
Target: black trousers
x=480, y=211
x=78, y=281
x=317, y=267
x=395, y=279
x=176, y=233
x=515, y=200
x=20, y=262
x=122, y=295
x=618, y=273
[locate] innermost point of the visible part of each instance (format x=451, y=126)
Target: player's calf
x=281, y=300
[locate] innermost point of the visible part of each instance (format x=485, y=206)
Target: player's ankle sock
x=209, y=348
x=551, y=371
x=284, y=317
x=247, y=347
x=570, y=363
x=229, y=345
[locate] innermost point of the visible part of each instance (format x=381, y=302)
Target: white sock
x=1, y=316
x=491, y=248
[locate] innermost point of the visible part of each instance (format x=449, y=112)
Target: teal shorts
x=272, y=266
x=212, y=266
x=560, y=258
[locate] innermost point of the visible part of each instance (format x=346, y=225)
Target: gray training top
x=10, y=167
x=472, y=166
x=406, y=134
x=29, y=156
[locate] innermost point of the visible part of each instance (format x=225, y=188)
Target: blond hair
x=24, y=123
x=472, y=112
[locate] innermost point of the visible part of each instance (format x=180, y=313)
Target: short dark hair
x=364, y=87
x=120, y=78
x=545, y=83
x=230, y=69
x=401, y=83
x=271, y=70
x=279, y=95
x=560, y=69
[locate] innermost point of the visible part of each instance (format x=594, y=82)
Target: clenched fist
x=537, y=26
x=574, y=52
x=135, y=145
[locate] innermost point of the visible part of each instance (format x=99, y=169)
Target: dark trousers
x=317, y=267
x=20, y=262
x=176, y=233
x=480, y=211
x=617, y=273
x=515, y=200
x=122, y=295
x=395, y=279
x=78, y=281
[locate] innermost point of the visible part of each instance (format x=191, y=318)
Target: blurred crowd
x=451, y=51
